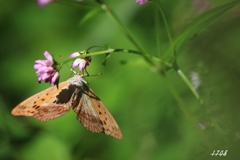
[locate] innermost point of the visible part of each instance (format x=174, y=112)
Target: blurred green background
x=151, y=121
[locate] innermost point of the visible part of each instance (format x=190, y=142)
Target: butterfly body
x=55, y=102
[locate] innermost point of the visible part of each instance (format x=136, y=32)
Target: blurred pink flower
x=141, y=2
x=45, y=70
x=43, y=3
x=82, y=63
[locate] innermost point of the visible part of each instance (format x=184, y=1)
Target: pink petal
x=75, y=54
x=42, y=62
x=41, y=70
x=55, y=79
x=48, y=56
x=49, y=69
x=37, y=66
x=45, y=76
x=141, y=2
x=76, y=63
x=43, y=3
x=39, y=79
x=48, y=63
x=82, y=65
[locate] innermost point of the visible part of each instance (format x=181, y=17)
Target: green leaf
x=196, y=27
x=89, y=15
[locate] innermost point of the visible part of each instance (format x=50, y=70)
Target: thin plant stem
x=165, y=23
x=189, y=84
x=157, y=28
x=110, y=50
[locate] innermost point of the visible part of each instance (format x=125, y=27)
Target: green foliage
x=200, y=24
x=89, y=15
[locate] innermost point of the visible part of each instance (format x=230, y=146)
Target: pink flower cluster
x=46, y=71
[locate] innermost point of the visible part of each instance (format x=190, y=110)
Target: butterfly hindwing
x=110, y=126
x=86, y=114
x=93, y=115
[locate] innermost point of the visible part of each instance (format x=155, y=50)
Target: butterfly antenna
x=99, y=74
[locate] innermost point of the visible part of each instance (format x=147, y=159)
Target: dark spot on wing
x=105, y=122
x=65, y=94
x=36, y=106
x=47, y=94
x=105, y=118
x=98, y=105
x=42, y=99
x=30, y=112
x=34, y=102
x=100, y=112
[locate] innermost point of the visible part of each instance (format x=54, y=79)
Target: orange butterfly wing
x=46, y=105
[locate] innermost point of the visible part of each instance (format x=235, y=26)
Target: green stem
x=185, y=110
x=189, y=84
x=110, y=50
x=118, y=23
x=87, y=55
x=165, y=22
x=157, y=28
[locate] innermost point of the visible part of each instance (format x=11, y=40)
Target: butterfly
x=55, y=102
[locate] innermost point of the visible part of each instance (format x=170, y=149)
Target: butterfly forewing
x=46, y=105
